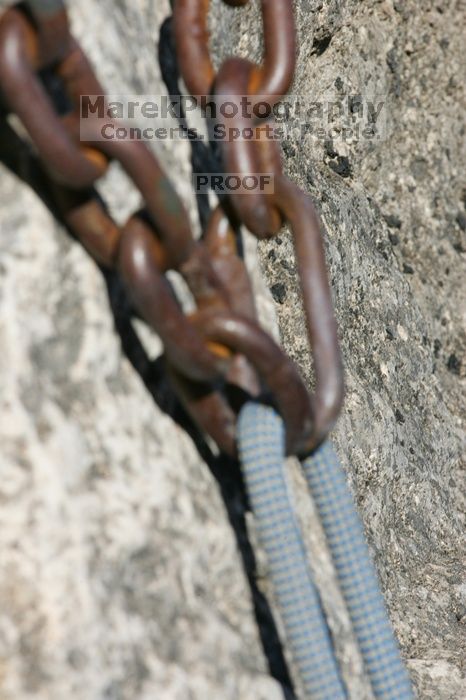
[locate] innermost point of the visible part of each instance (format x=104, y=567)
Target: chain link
x=263, y=213
x=219, y=353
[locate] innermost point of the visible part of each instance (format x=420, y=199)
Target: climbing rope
x=262, y=451
x=261, y=438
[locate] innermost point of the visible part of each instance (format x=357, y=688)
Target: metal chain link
x=264, y=214
x=219, y=352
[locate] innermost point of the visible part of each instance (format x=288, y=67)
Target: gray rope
x=262, y=445
x=356, y=575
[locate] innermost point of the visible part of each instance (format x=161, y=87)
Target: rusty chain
x=217, y=354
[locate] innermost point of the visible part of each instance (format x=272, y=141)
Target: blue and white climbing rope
x=262, y=445
x=356, y=575
x=261, y=441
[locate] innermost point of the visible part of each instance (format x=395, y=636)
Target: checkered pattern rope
x=262, y=449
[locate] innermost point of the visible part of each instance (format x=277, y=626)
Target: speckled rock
x=120, y=574
x=393, y=211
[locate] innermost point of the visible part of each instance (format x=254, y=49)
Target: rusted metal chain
x=263, y=213
x=218, y=353
x=271, y=80
x=75, y=165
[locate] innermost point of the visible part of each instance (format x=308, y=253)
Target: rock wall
x=121, y=575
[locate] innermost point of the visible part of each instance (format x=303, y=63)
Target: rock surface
x=121, y=577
